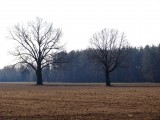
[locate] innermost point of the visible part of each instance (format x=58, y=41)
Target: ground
x=78, y=102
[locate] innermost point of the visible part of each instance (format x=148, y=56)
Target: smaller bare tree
x=108, y=48
x=38, y=43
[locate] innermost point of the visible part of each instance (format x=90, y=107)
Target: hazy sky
x=80, y=19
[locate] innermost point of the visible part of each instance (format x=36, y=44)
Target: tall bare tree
x=38, y=42
x=108, y=48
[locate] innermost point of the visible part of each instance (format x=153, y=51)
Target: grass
x=79, y=102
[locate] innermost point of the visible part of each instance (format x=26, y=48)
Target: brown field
x=96, y=102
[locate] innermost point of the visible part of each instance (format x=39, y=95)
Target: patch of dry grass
x=25, y=101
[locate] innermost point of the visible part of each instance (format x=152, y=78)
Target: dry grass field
x=50, y=102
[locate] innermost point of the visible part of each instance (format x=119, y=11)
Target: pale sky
x=80, y=19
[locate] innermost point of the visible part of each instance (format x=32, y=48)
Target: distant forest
x=143, y=65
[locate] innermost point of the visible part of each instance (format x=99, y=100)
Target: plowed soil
x=50, y=102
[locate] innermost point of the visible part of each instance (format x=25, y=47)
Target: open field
x=71, y=102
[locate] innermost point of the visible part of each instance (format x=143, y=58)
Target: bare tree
x=108, y=48
x=38, y=42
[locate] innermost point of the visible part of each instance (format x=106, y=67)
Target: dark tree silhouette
x=38, y=42
x=108, y=48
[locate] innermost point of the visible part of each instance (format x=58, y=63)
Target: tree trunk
x=39, y=75
x=107, y=79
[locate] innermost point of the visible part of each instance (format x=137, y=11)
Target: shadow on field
x=81, y=84
x=114, y=85
x=74, y=84
x=136, y=85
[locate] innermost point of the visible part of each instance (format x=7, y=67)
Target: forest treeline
x=143, y=65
